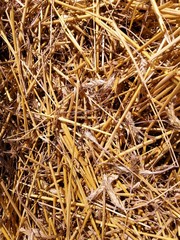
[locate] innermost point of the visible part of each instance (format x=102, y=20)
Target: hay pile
x=89, y=119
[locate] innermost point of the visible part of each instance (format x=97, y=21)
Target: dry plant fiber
x=90, y=119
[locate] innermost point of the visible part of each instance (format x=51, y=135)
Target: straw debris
x=89, y=119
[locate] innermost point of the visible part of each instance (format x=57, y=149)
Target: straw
x=89, y=119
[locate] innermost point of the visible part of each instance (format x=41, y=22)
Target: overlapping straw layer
x=89, y=119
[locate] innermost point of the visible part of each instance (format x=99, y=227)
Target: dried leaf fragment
x=107, y=186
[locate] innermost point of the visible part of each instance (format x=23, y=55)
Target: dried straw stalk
x=90, y=127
